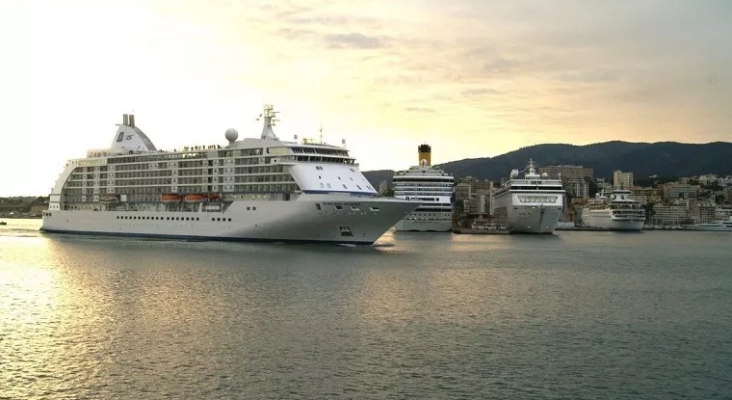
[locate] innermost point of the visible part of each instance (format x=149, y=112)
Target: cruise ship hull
x=310, y=219
x=604, y=220
x=415, y=223
x=709, y=228
x=533, y=219
x=607, y=222
x=616, y=225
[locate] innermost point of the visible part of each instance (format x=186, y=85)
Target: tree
x=656, y=181
x=649, y=211
x=714, y=186
x=388, y=193
x=593, y=188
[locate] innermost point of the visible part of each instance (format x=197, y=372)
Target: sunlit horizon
x=473, y=78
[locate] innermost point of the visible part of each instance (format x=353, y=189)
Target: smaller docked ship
x=432, y=186
x=715, y=226
x=619, y=212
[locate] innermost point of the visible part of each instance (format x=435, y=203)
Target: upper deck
x=263, y=167
x=422, y=173
x=531, y=181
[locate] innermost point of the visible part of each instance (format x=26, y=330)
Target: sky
x=473, y=78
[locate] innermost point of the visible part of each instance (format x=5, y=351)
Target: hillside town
x=23, y=207
x=668, y=201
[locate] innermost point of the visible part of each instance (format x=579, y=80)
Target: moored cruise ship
x=255, y=189
x=715, y=226
x=532, y=204
x=432, y=187
x=619, y=212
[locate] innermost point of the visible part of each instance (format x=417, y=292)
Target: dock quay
x=469, y=231
x=581, y=228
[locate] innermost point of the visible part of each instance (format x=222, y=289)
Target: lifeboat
x=109, y=198
x=214, y=196
x=194, y=197
x=168, y=197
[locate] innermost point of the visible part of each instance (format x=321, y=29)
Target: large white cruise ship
x=533, y=204
x=255, y=189
x=430, y=185
x=617, y=213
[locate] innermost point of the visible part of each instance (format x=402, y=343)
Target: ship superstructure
x=532, y=204
x=255, y=189
x=619, y=212
x=430, y=185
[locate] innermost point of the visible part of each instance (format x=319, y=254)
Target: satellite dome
x=231, y=135
x=545, y=175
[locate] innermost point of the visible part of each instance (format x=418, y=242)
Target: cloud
x=353, y=40
x=480, y=92
x=501, y=66
x=420, y=110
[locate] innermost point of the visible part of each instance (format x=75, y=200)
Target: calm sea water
x=574, y=315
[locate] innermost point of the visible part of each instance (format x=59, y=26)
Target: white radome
x=231, y=135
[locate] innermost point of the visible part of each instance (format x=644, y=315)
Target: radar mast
x=270, y=120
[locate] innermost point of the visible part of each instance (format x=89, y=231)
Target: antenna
x=320, y=132
x=270, y=120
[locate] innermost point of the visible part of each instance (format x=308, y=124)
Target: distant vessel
x=617, y=213
x=3, y=223
x=255, y=189
x=530, y=205
x=432, y=187
x=717, y=226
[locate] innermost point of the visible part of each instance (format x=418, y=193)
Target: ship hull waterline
x=424, y=225
x=609, y=224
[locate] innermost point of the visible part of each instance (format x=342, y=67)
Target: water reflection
x=89, y=317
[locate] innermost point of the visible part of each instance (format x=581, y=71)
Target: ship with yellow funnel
x=430, y=185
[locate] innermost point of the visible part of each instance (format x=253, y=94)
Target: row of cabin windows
x=158, y=218
x=332, y=152
x=337, y=207
x=92, y=169
x=173, y=218
x=326, y=160
x=155, y=157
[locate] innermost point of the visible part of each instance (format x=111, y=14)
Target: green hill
x=643, y=159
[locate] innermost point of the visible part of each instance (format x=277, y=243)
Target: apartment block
x=567, y=172
x=624, y=179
